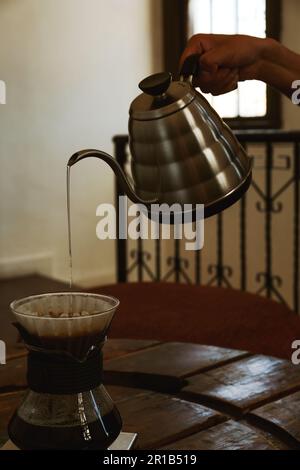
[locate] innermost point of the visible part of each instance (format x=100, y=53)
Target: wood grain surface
x=160, y=419
x=245, y=384
x=230, y=435
x=165, y=366
x=282, y=416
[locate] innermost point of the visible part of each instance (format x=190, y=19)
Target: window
x=253, y=104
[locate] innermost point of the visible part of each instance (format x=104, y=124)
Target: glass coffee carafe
x=67, y=406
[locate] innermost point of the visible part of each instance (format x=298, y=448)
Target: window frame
x=175, y=27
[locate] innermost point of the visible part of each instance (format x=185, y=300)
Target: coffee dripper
x=67, y=406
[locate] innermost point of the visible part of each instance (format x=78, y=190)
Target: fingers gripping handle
x=190, y=67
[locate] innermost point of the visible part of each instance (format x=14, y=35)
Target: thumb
x=217, y=57
x=191, y=49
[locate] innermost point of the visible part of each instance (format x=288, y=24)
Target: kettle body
x=183, y=151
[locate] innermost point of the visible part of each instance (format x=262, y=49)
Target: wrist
x=268, y=53
x=262, y=70
x=270, y=50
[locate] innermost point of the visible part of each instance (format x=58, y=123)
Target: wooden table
x=188, y=396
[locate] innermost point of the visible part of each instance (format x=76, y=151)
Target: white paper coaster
x=125, y=441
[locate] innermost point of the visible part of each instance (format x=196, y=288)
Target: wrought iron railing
x=252, y=246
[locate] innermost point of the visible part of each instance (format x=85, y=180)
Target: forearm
x=278, y=67
x=278, y=77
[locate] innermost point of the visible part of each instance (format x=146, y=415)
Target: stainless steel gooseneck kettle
x=177, y=139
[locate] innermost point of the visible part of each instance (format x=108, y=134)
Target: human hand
x=225, y=60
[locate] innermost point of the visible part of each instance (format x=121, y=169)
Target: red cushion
x=201, y=314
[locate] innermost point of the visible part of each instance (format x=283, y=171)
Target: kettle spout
x=120, y=175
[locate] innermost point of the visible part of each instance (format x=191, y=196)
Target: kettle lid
x=161, y=96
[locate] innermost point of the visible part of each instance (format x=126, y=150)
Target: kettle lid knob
x=156, y=84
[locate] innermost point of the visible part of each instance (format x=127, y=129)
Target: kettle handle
x=122, y=179
x=190, y=67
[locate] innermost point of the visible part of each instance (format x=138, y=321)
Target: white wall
x=71, y=68
x=291, y=38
